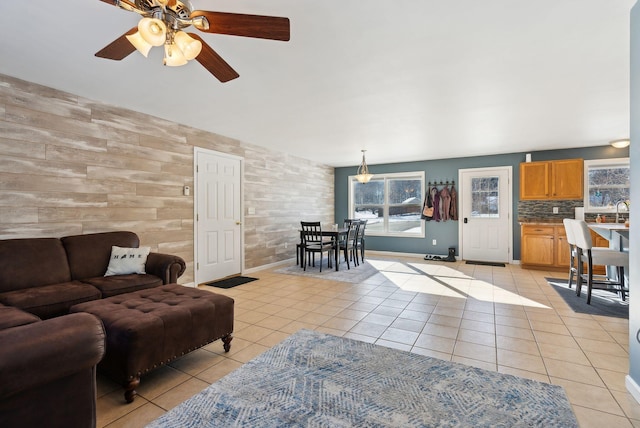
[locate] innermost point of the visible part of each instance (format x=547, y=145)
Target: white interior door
x=485, y=215
x=218, y=215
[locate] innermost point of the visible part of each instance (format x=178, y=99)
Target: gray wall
x=634, y=253
x=446, y=233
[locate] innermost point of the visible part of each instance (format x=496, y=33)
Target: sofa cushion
x=127, y=260
x=33, y=262
x=14, y=317
x=89, y=254
x=119, y=284
x=50, y=301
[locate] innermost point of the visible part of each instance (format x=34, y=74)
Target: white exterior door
x=218, y=215
x=485, y=215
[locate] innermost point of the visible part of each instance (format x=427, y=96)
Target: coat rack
x=442, y=183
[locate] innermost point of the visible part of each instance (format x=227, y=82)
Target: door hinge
x=197, y=217
x=198, y=265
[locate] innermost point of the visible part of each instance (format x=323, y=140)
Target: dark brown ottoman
x=149, y=328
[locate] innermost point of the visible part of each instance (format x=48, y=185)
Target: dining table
x=334, y=233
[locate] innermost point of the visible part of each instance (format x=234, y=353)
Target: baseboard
x=189, y=284
x=369, y=252
x=632, y=387
x=269, y=266
x=393, y=253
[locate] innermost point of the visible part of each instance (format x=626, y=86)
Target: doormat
x=475, y=262
x=230, y=282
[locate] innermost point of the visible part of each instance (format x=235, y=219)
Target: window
x=391, y=204
x=606, y=183
x=485, y=197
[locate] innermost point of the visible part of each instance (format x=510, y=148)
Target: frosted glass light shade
x=139, y=43
x=173, y=56
x=153, y=31
x=620, y=144
x=189, y=46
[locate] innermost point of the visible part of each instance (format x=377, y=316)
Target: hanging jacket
x=435, y=197
x=445, y=203
x=453, y=210
x=427, y=207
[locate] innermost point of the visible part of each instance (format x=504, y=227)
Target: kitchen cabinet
x=545, y=245
x=558, y=179
x=538, y=245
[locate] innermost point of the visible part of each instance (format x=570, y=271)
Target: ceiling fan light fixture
x=363, y=175
x=189, y=46
x=139, y=43
x=173, y=56
x=200, y=22
x=153, y=31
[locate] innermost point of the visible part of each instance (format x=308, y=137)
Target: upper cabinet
x=559, y=179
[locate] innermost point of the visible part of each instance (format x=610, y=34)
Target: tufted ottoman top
x=148, y=328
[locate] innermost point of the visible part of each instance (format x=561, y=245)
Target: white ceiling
x=405, y=79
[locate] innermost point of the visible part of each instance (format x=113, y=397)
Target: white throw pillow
x=127, y=260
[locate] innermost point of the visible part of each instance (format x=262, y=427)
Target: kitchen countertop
x=541, y=221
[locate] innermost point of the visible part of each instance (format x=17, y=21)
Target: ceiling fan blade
x=214, y=62
x=237, y=24
x=118, y=49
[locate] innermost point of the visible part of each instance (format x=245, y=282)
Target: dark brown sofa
x=48, y=369
x=46, y=276
x=48, y=357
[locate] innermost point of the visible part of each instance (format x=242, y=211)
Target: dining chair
x=571, y=240
x=313, y=242
x=348, y=243
x=360, y=239
x=590, y=255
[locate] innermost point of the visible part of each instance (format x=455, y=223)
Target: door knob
x=238, y=223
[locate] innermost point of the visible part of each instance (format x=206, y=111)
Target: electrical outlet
x=286, y=245
x=555, y=210
x=433, y=242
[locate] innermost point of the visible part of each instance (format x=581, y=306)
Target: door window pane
x=485, y=197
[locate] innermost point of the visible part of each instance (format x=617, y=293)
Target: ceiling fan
x=162, y=24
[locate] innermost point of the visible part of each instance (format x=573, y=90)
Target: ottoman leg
x=130, y=389
x=226, y=340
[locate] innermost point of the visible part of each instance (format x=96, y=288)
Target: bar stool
x=599, y=256
x=571, y=240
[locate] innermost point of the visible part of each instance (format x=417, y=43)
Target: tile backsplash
x=543, y=210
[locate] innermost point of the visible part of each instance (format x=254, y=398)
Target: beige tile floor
x=504, y=319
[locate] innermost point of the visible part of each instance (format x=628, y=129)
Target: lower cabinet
x=538, y=246
x=546, y=246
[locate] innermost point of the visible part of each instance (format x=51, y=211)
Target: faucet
x=618, y=209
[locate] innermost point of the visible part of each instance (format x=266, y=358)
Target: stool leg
x=130, y=389
x=621, y=281
x=226, y=340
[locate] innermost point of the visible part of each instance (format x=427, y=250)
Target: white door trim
x=196, y=152
x=509, y=169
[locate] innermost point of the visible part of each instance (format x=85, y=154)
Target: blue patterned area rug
x=318, y=380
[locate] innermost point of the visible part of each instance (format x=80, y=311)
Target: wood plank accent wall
x=69, y=166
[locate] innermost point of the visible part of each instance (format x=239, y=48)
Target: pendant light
x=363, y=175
